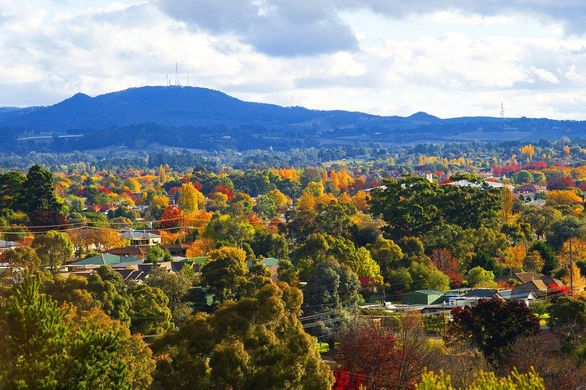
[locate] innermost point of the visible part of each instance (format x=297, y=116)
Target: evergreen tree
x=38, y=192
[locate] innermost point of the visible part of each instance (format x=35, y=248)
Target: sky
x=390, y=57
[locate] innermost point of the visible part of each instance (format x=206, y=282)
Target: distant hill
x=207, y=119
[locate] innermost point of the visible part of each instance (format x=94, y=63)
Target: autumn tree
x=389, y=358
x=484, y=380
x=172, y=218
x=558, y=370
x=190, y=199
x=528, y=151
x=447, y=263
x=507, y=200
x=106, y=239
x=200, y=247
x=280, y=200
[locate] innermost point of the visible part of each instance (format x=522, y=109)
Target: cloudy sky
x=446, y=57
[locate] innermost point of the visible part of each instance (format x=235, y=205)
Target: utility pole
x=384, y=298
x=571, y=271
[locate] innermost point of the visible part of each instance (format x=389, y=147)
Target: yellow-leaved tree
x=190, y=199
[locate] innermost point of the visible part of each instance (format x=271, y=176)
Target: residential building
x=141, y=238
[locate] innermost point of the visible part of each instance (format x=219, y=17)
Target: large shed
x=421, y=297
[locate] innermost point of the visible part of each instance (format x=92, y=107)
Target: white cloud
x=330, y=55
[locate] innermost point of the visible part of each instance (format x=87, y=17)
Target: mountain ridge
x=208, y=119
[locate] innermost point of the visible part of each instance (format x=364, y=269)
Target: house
x=141, y=238
x=536, y=286
x=481, y=293
x=176, y=249
x=518, y=295
x=484, y=184
x=132, y=275
x=104, y=259
x=178, y=265
x=139, y=251
x=7, y=245
x=552, y=285
x=421, y=297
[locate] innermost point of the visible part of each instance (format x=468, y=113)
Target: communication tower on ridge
x=180, y=79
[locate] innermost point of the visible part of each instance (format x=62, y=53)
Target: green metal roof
x=427, y=292
x=200, y=260
x=107, y=259
x=271, y=262
x=101, y=259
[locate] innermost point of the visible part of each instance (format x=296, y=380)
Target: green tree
x=269, y=245
x=412, y=206
x=425, y=277
x=229, y=230
x=175, y=286
x=547, y=254
x=540, y=218
x=408, y=206
x=265, y=207
x=564, y=229
x=255, y=343
x=400, y=280
x=11, y=184
x=567, y=315
x=335, y=218
x=149, y=311
x=479, y=277
x=224, y=272
x=330, y=286
x=287, y=273
x=38, y=191
x=412, y=246
x=108, y=288
x=533, y=262
x=53, y=248
x=43, y=346
x=387, y=254
x=157, y=254
x=523, y=177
